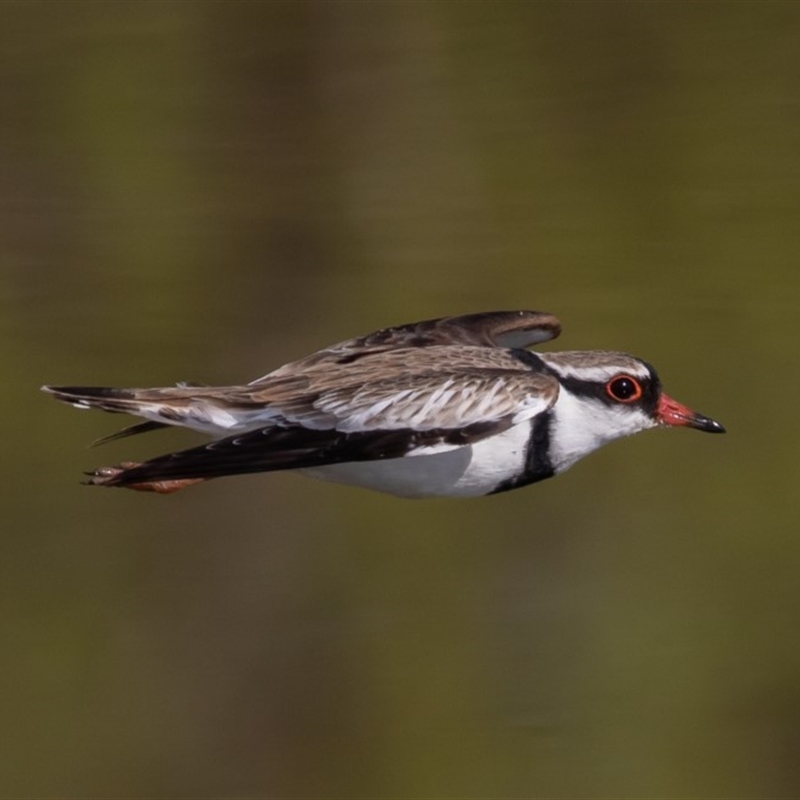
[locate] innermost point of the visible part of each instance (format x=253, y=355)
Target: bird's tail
x=107, y=399
x=187, y=404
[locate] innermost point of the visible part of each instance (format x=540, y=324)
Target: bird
x=449, y=407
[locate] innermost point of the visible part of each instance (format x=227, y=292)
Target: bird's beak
x=671, y=412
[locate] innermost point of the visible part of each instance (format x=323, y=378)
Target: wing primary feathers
x=485, y=329
x=493, y=329
x=280, y=448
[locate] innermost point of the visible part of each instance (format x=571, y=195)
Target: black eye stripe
x=651, y=389
x=595, y=388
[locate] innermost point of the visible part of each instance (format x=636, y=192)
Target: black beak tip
x=710, y=426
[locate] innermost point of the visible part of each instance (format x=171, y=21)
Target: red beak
x=671, y=412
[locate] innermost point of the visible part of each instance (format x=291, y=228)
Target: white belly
x=463, y=472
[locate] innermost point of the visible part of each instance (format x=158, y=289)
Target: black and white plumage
x=447, y=407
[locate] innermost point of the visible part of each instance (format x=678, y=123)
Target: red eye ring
x=624, y=389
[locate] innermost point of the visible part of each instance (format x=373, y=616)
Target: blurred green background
x=206, y=190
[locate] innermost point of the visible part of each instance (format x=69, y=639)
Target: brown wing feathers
x=493, y=329
x=489, y=329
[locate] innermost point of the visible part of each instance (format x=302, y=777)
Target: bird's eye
x=624, y=389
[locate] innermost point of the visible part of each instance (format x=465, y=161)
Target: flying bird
x=450, y=407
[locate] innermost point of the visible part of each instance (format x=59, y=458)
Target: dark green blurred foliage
x=203, y=191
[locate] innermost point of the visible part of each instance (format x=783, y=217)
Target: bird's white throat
x=582, y=424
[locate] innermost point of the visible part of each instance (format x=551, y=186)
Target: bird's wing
x=485, y=329
x=443, y=400
x=422, y=388
x=492, y=329
x=280, y=448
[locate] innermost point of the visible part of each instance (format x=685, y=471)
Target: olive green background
x=206, y=190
